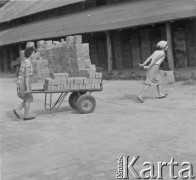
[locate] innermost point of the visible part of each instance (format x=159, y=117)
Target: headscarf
x=162, y=44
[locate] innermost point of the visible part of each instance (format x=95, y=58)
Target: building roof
x=19, y=8
x=109, y=17
x=3, y=2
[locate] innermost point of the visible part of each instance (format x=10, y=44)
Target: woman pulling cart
x=153, y=76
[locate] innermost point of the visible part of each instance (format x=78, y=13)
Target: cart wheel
x=86, y=104
x=73, y=99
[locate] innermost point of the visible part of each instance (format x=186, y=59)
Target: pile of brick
x=192, y=56
x=68, y=55
x=41, y=70
x=91, y=80
x=167, y=77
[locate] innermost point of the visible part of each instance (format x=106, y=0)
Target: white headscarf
x=162, y=44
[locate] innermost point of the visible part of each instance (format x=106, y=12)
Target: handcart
x=80, y=100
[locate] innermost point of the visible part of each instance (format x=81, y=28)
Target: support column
x=5, y=59
x=109, y=51
x=11, y=58
x=170, y=50
x=19, y=48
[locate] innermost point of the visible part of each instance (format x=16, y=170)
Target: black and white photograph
x=97, y=89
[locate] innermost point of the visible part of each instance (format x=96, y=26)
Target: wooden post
x=169, y=41
x=5, y=59
x=11, y=57
x=109, y=51
x=19, y=48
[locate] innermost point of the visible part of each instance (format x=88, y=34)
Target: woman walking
x=24, y=85
x=153, y=78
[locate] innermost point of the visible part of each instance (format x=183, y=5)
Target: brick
x=99, y=76
x=70, y=81
x=71, y=86
x=45, y=62
x=50, y=88
x=81, y=86
x=86, y=80
x=60, y=75
x=70, y=39
x=84, y=72
x=75, y=87
x=57, y=81
x=93, y=86
x=91, y=75
x=99, y=86
x=40, y=44
x=49, y=81
x=79, y=80
x=63, y=81
x=66, y=87
x=96, y=86
x=61, y=87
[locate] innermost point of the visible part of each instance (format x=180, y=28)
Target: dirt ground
x=65, y=145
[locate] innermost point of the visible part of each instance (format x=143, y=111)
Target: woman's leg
x=143, y=90
x=159, y=90
x=19, y=108
x=26, y=109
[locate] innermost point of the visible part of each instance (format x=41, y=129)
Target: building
x=120, y=33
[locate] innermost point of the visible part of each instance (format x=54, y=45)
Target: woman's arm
x=151, y=64
x=147, y=60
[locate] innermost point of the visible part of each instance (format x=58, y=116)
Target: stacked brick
x=66, y=56
x=41, y=70
x=70, y=56
x=65, y=65
x=82, y=53
x=167, y=77
x=62, y=82
x=192, y=56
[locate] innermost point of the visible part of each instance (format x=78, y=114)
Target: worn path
x=65, y=145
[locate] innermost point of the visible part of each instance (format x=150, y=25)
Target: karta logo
x=126, y=169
